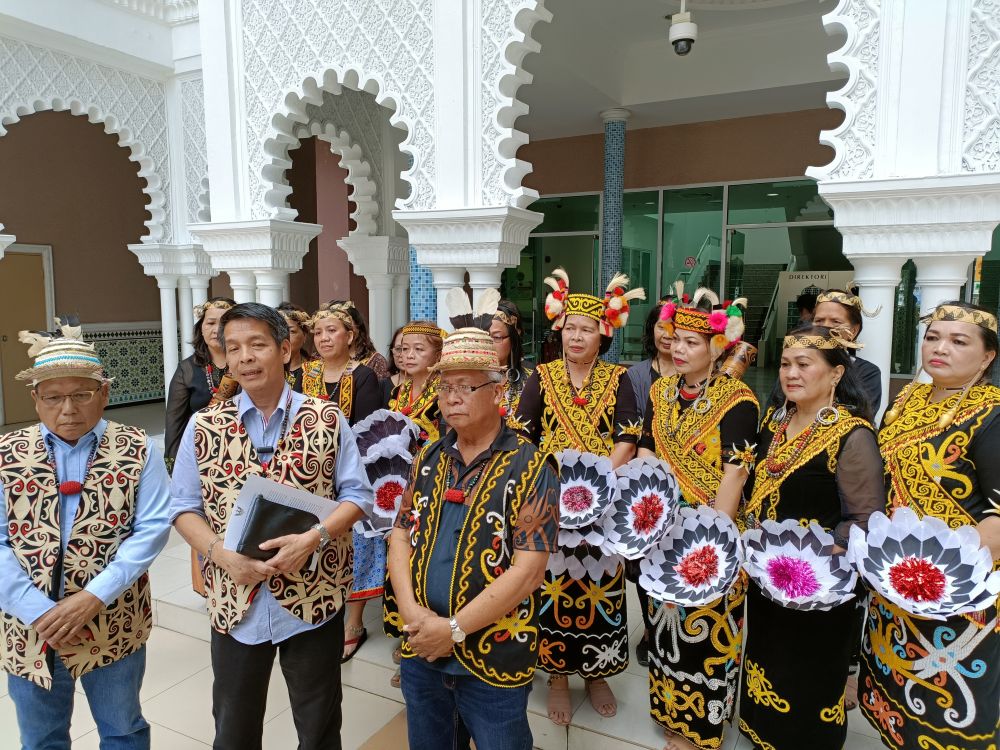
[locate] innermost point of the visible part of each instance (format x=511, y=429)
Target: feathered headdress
x=722, y=323
x=460, y=311
x=61, y=354
x=610, y=313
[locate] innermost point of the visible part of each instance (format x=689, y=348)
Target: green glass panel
x=571, y=213
x=692, y=238
x=640, y=224
x=777, y=202
x=904, y=323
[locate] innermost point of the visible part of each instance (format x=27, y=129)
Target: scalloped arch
x=293, y=119
x=112, y=125
x=352, y=158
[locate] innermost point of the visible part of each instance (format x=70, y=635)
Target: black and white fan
x=587, y=488
x=644, y=508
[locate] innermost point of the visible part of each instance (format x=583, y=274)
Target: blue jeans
x=443, y=710
x=43, y=716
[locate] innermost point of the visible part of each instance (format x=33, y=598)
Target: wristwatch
x=457, y=634
x=324, y=535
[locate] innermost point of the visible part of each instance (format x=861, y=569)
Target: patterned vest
x=505, y=653
x=305, y=459
x=692, y=443
x=313, y=385
x=103, y=521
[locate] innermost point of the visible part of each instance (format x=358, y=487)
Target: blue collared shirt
x=21, y=598
x=266, y=620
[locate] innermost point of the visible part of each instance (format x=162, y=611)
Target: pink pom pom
x=667, y=313
x=718, y=320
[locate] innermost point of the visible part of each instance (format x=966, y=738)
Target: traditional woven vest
x=306, y=459
x=589, y=428
x=503, y=654
x=103, y=521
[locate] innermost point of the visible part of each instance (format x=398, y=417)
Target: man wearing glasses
x=85, y=506
x=466, y=559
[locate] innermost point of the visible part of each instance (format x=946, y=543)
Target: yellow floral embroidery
x=835, y=714
x=760, y=690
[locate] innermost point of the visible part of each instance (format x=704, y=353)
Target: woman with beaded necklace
x=703, y=424
x=336, y=377
x=508, y=336
x=928, y=683
x=817, y=462
x=583, y=403
x=298, y=334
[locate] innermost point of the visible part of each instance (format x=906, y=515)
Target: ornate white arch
x=35, y=79
x=352, y=158
x=506, y=40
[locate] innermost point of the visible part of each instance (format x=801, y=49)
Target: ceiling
x=752, y=57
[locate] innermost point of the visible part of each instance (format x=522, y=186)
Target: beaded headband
x=689, y=319
x=850, y=300
x=955, y=313
x=337, y=312
x=507, y=318
x=814, y=341
x=298, y=316
x=586, y=305
x=219, y=304
x=423, y=329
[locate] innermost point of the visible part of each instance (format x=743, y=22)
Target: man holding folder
x=281, y=605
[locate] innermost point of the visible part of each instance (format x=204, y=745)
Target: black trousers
x=310, y=663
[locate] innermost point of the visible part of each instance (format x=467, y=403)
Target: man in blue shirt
x=259, y=608
x=84, y=504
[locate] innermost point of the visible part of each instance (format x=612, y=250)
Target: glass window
x=571, y=213
x=777, y=202
x=640, y=224
x=904, y=322
x=692, y=238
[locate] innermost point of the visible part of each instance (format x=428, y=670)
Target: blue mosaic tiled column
x=611, y=217
x=423, y=295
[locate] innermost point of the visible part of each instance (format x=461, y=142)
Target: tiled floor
x=177, y=691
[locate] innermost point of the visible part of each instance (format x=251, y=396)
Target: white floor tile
x=172, y=658
x=632, y=722
x=168, y=574
x=160, y=737
x=364, y=714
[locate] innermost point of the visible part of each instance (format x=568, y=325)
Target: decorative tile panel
x=195, y=147
x=423, y=295
x=132, y=354
x=34, y=78
x=295, y=49
x=981, y=141
x=611, y=214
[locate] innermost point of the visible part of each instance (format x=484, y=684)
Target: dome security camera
x=683, y=32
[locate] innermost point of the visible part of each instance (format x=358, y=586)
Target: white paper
x=276, y=492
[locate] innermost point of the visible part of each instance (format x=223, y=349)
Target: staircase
x=757, y=284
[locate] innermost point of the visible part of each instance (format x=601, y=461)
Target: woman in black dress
x=298, y=337
x=817, y=462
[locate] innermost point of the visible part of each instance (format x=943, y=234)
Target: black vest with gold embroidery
x=503, y=654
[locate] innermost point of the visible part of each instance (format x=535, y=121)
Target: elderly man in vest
x=466, y=560
x=257, y=608
x=85, y=507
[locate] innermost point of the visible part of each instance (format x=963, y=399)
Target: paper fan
x=385, y=433
x=696, y=561
x=795, y=567
x=592, y=535
x=388, y=477
x=587, y=488
x=923, y=566
x=644, y=508
x=584, y=562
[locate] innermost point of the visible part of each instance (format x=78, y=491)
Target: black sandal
x=360, y=636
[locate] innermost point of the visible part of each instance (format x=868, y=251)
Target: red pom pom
x=619, y=291
x=406, y=410
x=70, y=488
x=385, y=496
x=454, y=496
x=917, y=580
x=647, y=513
x=685, y=298
x=581, y=400
x=700, y=566
x=612, y=313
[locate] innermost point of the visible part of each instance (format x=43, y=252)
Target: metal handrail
x=700, y=262
x=771, y=318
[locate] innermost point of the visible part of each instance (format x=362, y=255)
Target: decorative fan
x=644, y=508
x=592, y=535
x=583, y=562
x=923, y=566
x=385, y=433
x=389, y=477
x=588, y=488
x=794, y=565
x=696, y=562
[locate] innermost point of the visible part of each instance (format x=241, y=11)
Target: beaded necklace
x=265, y=452
x=454, y=495
x=776, y=467
x=580, y=397
x=699, y=406
x=209, y=372
x=71, y=488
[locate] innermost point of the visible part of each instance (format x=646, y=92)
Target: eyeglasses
x=80, y=398
x=397, y=350
x=497, y=338
x=462, y=390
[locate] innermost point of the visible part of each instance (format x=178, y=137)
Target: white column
x=185, y=305
x=244, y=284
x=271, y=287
x=445, y=278
x=481, y=279
x=877, y=278
x=940, y=278
x=380, y=309
x=400, y=300
x=286, y=293
x=167, y=284
x=199, y=288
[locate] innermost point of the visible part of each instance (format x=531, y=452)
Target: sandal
x=354, y=644
x=851, y=692
x=559, y=702
x=601, y=697
x=396, y=680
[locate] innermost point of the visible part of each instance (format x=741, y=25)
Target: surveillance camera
x=683, y=33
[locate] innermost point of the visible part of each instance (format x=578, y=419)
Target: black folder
x=269, y=520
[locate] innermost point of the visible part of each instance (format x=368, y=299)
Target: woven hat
x=60, y=354
x=468, y=349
